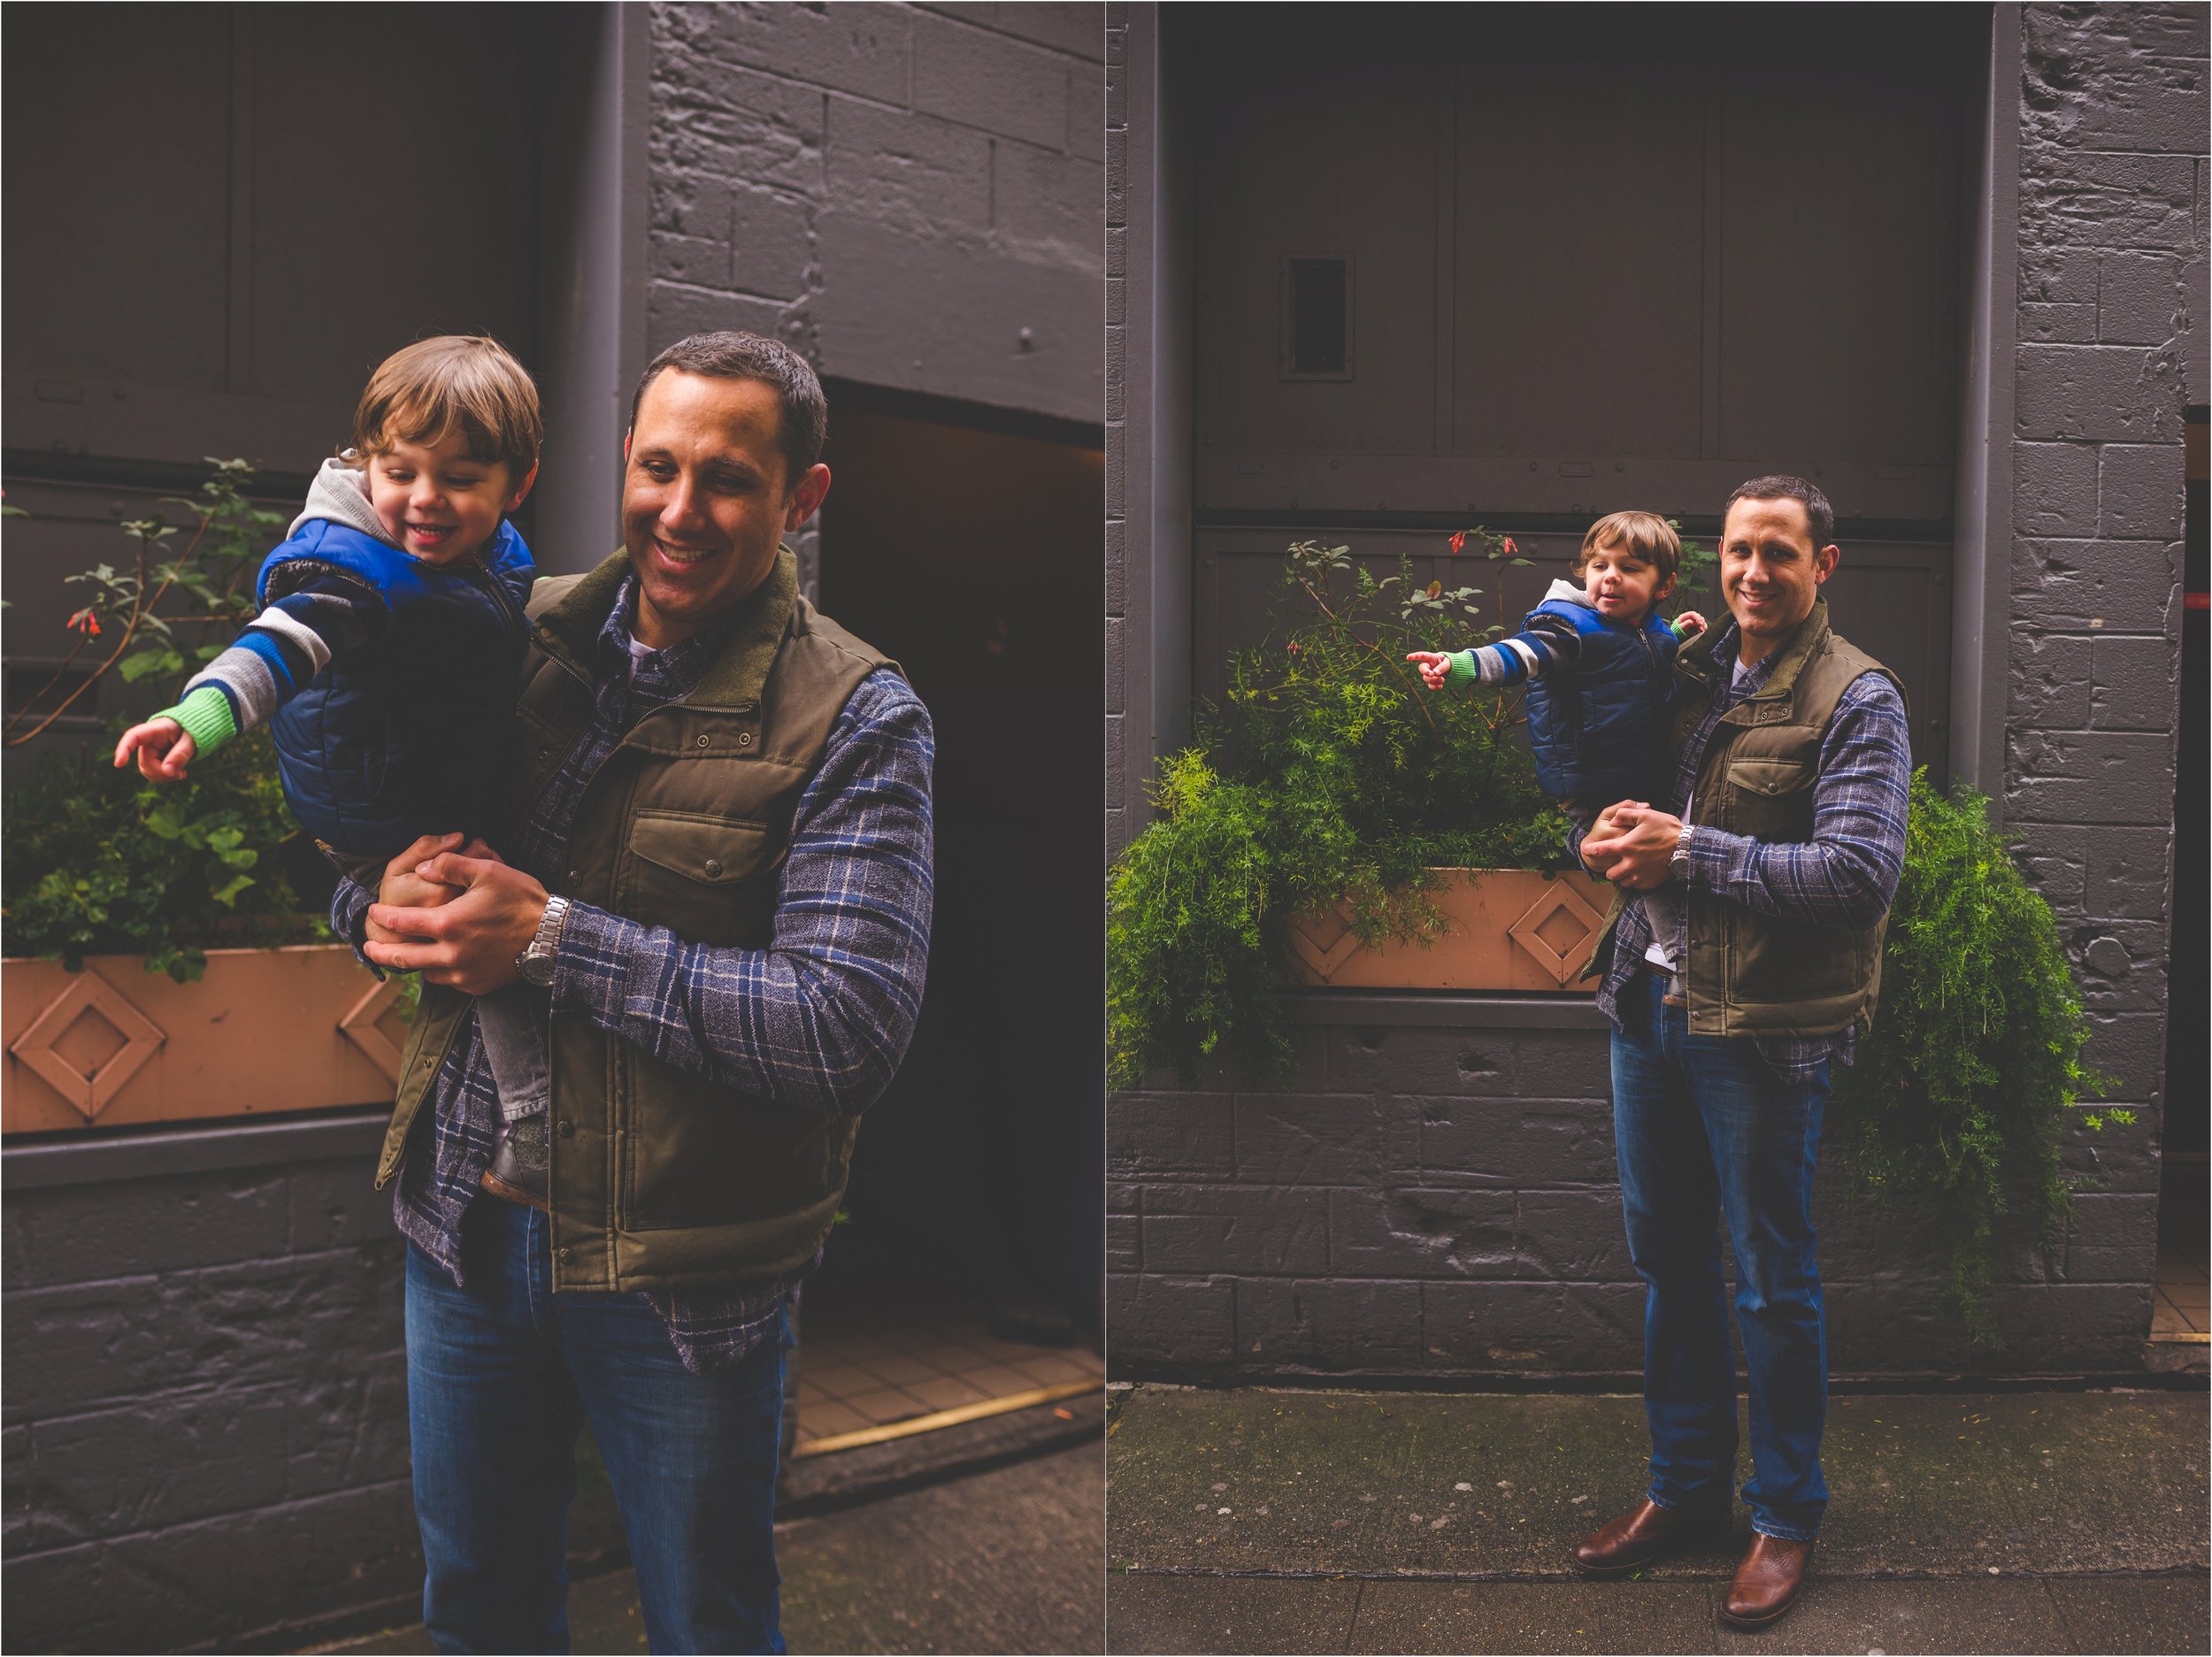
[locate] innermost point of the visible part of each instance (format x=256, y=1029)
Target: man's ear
x=626, y=436
x=806, y=500
x=1825, y=563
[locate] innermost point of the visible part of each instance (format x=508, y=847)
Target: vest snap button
x=567, y=1254
x=702, y=741
x=568, y=1129
x=744, y=739
x=714, y=870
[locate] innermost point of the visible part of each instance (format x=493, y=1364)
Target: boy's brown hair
x=467, y=382
x=1643, y=535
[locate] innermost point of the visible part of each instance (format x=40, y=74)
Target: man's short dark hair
x=1781, y=487
x=727, y=354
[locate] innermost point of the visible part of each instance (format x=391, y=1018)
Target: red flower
x=85, y=622
x=1511, y=551
x=1459, y=540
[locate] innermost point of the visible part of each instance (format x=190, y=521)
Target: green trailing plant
x=100, y=862
x=1963, y=1093
x=97, y=860
x=1327, y=773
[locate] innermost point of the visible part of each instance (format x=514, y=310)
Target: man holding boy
x=1781, y=835
x=719, y=873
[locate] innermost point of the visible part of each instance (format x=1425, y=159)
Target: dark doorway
x=972, y=557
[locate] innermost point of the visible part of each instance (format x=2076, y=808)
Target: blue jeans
x=1704, y=1128
x=501, y=1377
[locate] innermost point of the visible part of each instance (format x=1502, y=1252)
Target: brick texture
x=206, y=1424
x=908, y=195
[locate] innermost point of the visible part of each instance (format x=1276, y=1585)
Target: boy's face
x=1622, y=586
x=439, y=501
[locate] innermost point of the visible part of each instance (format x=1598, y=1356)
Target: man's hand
x=163, y=749
x=402, y=887
x=1630, y=845
x=468, y=940
x=1435, y=667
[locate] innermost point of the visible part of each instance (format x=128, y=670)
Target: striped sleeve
x=819, y=1019
x=1847, y=874
x=317, y=615
x=1544, y=646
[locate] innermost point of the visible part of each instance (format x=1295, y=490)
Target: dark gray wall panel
x=1839, y=268
x=1290, y=169
x=94, y=208
x=1579, y=207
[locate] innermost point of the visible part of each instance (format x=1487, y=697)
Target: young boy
x=1599, y=663
x=385, y=657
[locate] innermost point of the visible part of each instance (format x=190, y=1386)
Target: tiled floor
x=2183, y=1287
x=2181, y=1312
x=867, y=1369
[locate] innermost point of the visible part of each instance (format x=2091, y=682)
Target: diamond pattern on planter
x=1554, y=929
x=373, y=1025
x=89, y=1043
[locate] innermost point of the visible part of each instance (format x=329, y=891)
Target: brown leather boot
x=1767, y=1583
x=1644, y=1533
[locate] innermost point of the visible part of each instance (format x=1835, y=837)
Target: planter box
x=1506, y=929
x=264, y=1031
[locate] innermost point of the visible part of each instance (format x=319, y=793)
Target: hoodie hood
x=340, y=493
x=1569, y=592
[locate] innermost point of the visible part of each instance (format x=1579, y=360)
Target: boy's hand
x=163, y=749
x=1692, y=620
x=1435, y=667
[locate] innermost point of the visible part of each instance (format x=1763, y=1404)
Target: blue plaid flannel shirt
x=1845, y=875
x=817, y=1023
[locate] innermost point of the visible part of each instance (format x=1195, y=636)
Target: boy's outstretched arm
x=315, y=615
x=1544, y=646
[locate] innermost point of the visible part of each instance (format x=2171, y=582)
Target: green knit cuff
x=1675, y=628
x=1462, y=669
x=206, y=717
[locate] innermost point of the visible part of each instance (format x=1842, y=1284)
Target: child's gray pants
x=516, y=1024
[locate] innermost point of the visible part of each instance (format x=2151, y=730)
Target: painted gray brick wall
x=205, y=1422
x=908, y=194
x=2112, y=346
x=1438, y=1197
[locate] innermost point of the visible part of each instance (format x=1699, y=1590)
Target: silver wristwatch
x=1678, y=859
x=535, y=963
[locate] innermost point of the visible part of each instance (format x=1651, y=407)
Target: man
x=1733, y=987
x=719, y=874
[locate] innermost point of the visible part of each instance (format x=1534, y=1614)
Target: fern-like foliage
x=1327, y=773
x=1973, y=1071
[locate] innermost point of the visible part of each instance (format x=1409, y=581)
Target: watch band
x=535, y=963
x=1678, y=859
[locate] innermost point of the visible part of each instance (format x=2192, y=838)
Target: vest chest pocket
x=1770, y=779
x=709, y=880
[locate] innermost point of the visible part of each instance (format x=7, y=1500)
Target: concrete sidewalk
x=1301, y=1521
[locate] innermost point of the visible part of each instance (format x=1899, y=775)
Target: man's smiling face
x=705, y=499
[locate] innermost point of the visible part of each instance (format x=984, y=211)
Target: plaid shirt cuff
x=350, y=918
x=591, y=965
x=1713, y=854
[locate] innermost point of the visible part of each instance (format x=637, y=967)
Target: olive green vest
x=1750, y=974
x=660, y=1179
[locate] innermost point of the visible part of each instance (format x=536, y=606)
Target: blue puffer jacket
x=1598, y=730
x=410, y=735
